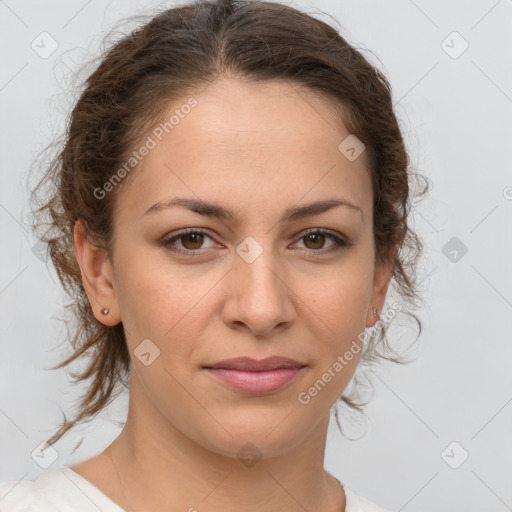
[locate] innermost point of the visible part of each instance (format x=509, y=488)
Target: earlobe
x=97, y=276
x=382, y=278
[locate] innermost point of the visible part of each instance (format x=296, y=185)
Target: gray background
x=456, y=116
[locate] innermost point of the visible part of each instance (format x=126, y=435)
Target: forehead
x=247, y=144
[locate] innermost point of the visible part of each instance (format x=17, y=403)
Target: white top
x=63, y=490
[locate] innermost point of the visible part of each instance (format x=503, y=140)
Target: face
x=200, y=287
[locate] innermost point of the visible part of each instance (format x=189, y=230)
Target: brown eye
x=192, y=240
x=187, y=242
x=314, y=241
x=317, y=240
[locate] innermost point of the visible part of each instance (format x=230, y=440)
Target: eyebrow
x=215, y=210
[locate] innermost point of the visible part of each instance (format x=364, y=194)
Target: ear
x=381, y=279
x=97, y=276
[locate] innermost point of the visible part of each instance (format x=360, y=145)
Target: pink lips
x=256, y=377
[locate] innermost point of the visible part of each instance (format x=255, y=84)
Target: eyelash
x=340, y=243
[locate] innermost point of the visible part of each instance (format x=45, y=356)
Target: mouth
x=256, y=377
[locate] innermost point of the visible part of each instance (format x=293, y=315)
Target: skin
x=256, y=149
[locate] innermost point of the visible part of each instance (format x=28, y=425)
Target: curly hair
x=177, y=52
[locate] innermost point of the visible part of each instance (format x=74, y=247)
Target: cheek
x=337, y=313
x=163, y=303
x=339, y=299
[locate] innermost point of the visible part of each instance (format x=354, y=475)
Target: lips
x=248, y=364
x=256, y=377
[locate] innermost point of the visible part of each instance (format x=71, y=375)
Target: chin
x=255, y=437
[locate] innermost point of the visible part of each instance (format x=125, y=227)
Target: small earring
x=374, y=311
x=105, y=311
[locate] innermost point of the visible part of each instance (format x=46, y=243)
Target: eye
x=191, y=240
x=316, y=238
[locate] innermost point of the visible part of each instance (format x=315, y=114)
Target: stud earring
x=374, y=311
x=105, y=311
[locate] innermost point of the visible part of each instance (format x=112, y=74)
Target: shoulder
x=54, y=490
x=356, y=503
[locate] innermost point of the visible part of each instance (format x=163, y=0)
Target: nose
x=259, y=298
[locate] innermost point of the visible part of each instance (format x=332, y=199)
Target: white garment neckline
x=99, y=494
x=116, y=508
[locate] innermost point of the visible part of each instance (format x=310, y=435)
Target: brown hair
x=179, y=51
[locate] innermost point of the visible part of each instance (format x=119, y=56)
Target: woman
x=227, y=212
